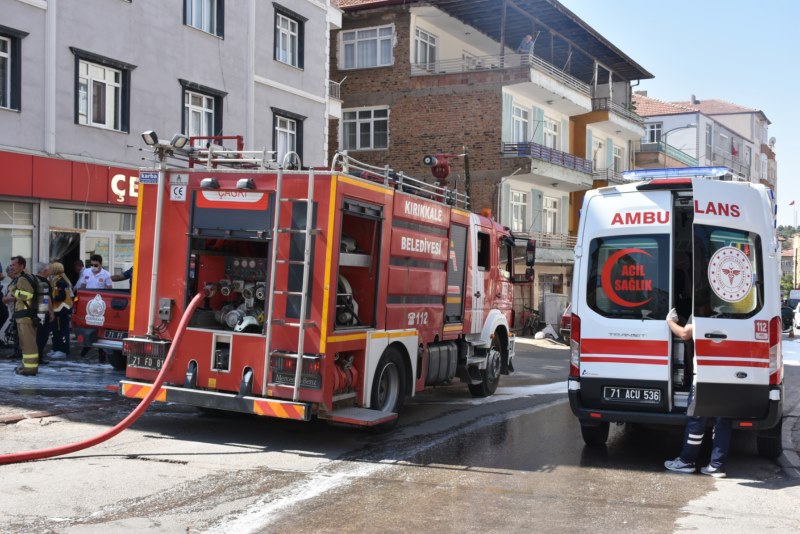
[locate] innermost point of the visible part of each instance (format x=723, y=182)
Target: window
x=628, y=277
x=206, y=15
x=505, y=264
x=102, y=91
x=424, y=49
x=519, y=206
x=368, y=47
x=16, y=230
x=80, y=220
x=10, y=68
x=598, y=159
x=483, y=256
x=709, y=138
x=551, y=134
x=519, y=116
x=289, y=36
x=708, y=240
x=654, y=132
x=287, y=133
x=550, y=215
x=365, y=129
x=618, y=159
x=202, y=111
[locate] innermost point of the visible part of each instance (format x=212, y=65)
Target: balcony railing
x=608, y=175
x=606, y=104
x=334, y=90
x=508, y=61
x=721, y=156
x=549, y=240
x=550, y=155
x=670, y=151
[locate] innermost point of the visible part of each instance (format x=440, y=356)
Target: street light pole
x=665, y=134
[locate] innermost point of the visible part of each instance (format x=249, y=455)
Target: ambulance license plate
x=632, y=395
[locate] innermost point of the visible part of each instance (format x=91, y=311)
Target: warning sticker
x=730, y=274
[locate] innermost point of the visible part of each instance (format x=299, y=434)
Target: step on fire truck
x=332, y=294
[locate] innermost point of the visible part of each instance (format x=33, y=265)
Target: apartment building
x=706, y=133
x=542, y=119
x=80, y=82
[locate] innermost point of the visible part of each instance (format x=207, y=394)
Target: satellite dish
x=771, y=142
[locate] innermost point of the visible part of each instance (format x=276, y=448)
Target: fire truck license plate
x=633, y=395
x=116, y=334
x=145, y=362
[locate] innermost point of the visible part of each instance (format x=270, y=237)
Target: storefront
x=60, y=210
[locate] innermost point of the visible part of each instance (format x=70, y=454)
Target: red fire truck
x=332, y=294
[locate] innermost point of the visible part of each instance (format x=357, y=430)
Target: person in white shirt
x=94, y=277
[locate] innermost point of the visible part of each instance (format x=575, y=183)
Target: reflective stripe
x=30, y=361
x=694, y=442
x=697, y=436
x=26, y=294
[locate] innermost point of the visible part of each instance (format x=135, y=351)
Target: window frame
x=124, y=69
x=551, y=135
x=518, y=208
x=218, y=14
x=520, y=124
x=344, y=43
x=277, y=115
x=618, y=159
x=359, y=122
x=425, y=42
x=300, y=21
x=654, y=132
x=13, y=88
x=208, y=92
x=551, y=214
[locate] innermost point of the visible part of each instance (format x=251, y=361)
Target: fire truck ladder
x=301, y=323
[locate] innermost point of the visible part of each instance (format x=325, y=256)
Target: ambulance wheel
x=491, y=375
x=769, y=444
x=117, y=360
x=595, y=435
x=388, y=388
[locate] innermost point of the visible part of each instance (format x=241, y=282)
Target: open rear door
x=731, y=238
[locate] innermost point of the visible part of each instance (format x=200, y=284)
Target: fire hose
x=125, y=423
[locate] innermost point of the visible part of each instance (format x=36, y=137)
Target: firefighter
x=22, y=293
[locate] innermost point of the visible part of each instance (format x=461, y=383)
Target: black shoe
x=42, y=361
x=24, y=371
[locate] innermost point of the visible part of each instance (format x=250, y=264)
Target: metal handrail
x=550, y=240
x=606, y=104
x=398, y=180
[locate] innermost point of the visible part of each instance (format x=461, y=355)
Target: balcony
x=722, y=156
x=607, y=175
x=606, y=104
x=549, y=155
x=552, y=248
x=670, y=152
x=334, y=99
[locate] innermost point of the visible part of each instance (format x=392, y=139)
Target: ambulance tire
x=595, y=435
x=491, y=375
x=769, y=444
x=388, y=387
x=117, y=360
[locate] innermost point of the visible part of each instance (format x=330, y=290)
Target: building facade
x=540, y=121
x=80, y=82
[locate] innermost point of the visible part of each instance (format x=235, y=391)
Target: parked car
x=787, y=317
x=566, y=323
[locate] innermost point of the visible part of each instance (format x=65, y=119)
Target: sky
x=740, y=51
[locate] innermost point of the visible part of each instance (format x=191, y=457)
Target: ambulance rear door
x=731, y=241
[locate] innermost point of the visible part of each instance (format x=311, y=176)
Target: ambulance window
x=629, y=277
x=483, y=251
x=728, y=272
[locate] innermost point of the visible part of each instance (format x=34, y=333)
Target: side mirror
x=530, y=253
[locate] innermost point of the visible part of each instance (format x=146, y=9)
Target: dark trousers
x=693, y=438
x=42, y=333
x=61, y=330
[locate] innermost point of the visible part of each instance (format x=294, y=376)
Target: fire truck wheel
x=491, y=375
x=117, y=360
x=388, y=389
x=595, y=435
x=769, y=444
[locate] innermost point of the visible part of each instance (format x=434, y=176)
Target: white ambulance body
x=684, y=239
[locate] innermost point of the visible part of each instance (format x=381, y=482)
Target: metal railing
x=670, y=151
x=609, y=175
x=550, y=240
x=387, y=176
x=550, y=155
x=335, y=89
x=606, y=104
x=724, y=157
x=508, y=61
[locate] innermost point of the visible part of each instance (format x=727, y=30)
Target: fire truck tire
x=769, y=444
x=491, y=375
x=117, y=360
x=595, y=435
x=388, y=388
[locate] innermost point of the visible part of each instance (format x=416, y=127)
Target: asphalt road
x=514, y=462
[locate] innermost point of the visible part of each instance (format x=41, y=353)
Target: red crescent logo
x=605, y=278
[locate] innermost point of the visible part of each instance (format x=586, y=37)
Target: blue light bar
x=678, y=172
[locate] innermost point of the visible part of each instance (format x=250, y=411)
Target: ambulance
x=696, y=241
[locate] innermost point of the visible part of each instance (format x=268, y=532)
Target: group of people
x=42, y=305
